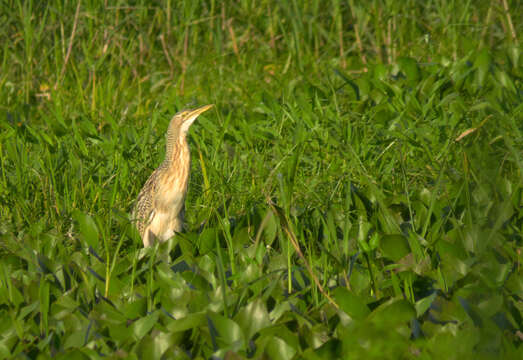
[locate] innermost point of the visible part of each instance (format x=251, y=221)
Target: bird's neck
x=177, y=152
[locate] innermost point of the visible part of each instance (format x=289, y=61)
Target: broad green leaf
x=380, y=72
x=493, y=272
x=281, y=331
x=350, y=303
x=120, y=332
x=482, y=65
x=190, y=321
x=415, y=244
x=393, y=313
x=514, y=283
x=44, y=304
x=332, y=349
x=135, y=308
x=26, y=310
x=253, y=317
x=73, y=354
x=108, y=314
x=514, y=52
x=153, y=347
x=423, y=305
x=143, y=325
x=74, y=340
x=364, y=228
x=207, y=240
x=11, y=294
x=394, y=247
x=4, y=350
x=278, y=349
x=228, y=330
x=240, y=237
x=88, y=231
x=471, y=311
x=410, y=68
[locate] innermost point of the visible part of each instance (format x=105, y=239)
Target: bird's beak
x=193, y=114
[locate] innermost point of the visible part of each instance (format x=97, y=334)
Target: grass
x=357, y=191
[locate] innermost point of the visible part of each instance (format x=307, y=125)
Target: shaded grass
x=344, y=117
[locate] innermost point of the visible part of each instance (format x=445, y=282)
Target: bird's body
x=159, y=210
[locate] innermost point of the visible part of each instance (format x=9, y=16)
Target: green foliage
x=357, y=193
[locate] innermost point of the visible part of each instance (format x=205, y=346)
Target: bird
x=160, y=207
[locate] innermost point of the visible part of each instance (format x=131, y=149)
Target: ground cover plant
x=355, y=193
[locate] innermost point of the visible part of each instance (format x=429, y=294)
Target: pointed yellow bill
x=191, y=115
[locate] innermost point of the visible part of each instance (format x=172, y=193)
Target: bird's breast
x=172, y=191
x=164, y=225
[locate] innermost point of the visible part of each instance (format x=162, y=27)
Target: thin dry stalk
x=393, y=46
x=487, y=25
x=69, y=47
x=169, y=19
x=223, y=16
x=166, y=53
x=343, y=63
x=93, y=94
x=260, y=229
x=233, y=39
x=357, y=35
x=388, y=41
x=184, y=60
x=342, y=57
x=294, y=242
x=272, y=41
x=509, y=20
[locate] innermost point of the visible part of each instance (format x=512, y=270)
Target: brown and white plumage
x=159, y=210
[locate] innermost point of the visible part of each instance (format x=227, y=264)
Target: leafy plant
x=356, y=193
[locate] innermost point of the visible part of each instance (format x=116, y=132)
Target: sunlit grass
x=356, y=192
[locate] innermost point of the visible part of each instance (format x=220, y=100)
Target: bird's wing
x=144, y=209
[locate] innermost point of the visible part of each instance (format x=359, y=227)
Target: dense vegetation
x=356, y=192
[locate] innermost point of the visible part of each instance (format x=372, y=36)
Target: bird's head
x=182, y=121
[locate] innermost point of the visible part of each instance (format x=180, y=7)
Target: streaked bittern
x=160, y=208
